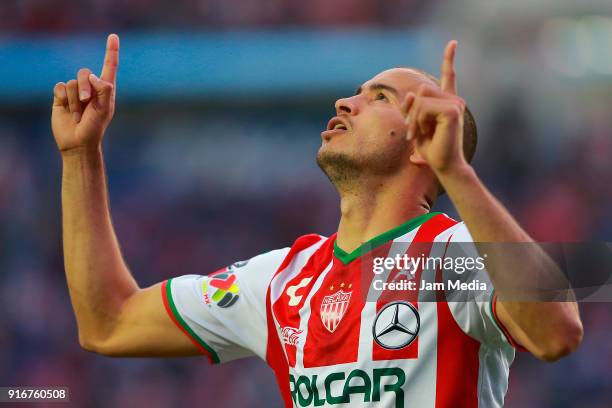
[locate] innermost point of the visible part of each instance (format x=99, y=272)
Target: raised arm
x=549, y=330
x=114, y=315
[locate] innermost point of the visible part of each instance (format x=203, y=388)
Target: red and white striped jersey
x=310, y=312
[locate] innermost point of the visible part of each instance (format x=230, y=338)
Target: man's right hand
x=83, y=107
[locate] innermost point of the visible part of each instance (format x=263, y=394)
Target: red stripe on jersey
x=421, y=245
x=300, y=244
x=274, y=352
x=335, y=317
x=458, y=362
x=287, y=313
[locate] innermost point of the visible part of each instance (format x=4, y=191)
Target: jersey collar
x=386, y=236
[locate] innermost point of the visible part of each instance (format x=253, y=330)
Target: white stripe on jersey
x=399, y=246
x=422, y=382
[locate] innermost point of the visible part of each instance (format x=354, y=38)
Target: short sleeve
x=224, y=313
x=474, y=308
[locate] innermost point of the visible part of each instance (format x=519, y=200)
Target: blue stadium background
x=210, y=158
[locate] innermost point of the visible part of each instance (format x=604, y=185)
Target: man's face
x=369, y=134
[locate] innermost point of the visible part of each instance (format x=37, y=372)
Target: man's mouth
x=336, y=125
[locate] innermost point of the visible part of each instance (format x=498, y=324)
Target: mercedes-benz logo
x=396, y=325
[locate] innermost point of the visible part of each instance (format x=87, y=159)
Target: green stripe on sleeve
x=185, y=326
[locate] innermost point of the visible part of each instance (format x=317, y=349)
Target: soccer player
x=391, y=149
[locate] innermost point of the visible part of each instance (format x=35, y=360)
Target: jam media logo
x=291, y=335
x=333, y=308
x=220, y=288
x=396, y=325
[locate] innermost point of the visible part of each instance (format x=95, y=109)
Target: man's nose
x=347, y=105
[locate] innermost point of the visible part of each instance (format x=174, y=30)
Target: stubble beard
x=341, y=169
x=349, y=173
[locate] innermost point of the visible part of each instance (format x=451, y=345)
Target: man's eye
x=381, y=96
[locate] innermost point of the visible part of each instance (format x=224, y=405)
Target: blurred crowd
x=226, y=187
x=61, y=16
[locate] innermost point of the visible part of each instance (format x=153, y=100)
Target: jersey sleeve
x=224, y=313
x=474, y=309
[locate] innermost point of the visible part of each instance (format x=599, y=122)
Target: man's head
x=368, y=135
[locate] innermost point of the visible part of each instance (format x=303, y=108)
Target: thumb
x=103, y=90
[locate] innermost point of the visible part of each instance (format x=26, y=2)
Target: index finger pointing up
x=448, y=82
x=111, y=59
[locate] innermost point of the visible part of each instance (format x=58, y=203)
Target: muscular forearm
x=548, y=329
x=98, y=280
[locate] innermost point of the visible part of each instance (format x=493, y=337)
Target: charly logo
x=396, y=325
x=333, y=308
x=291, y=335
x=291, y=291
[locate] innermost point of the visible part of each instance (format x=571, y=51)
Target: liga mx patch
x=220, y=289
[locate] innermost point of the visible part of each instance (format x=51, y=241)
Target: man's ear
x=416, y=158
x=405, y=108
x=407, y=103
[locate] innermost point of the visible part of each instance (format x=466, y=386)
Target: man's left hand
x=435, y=120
